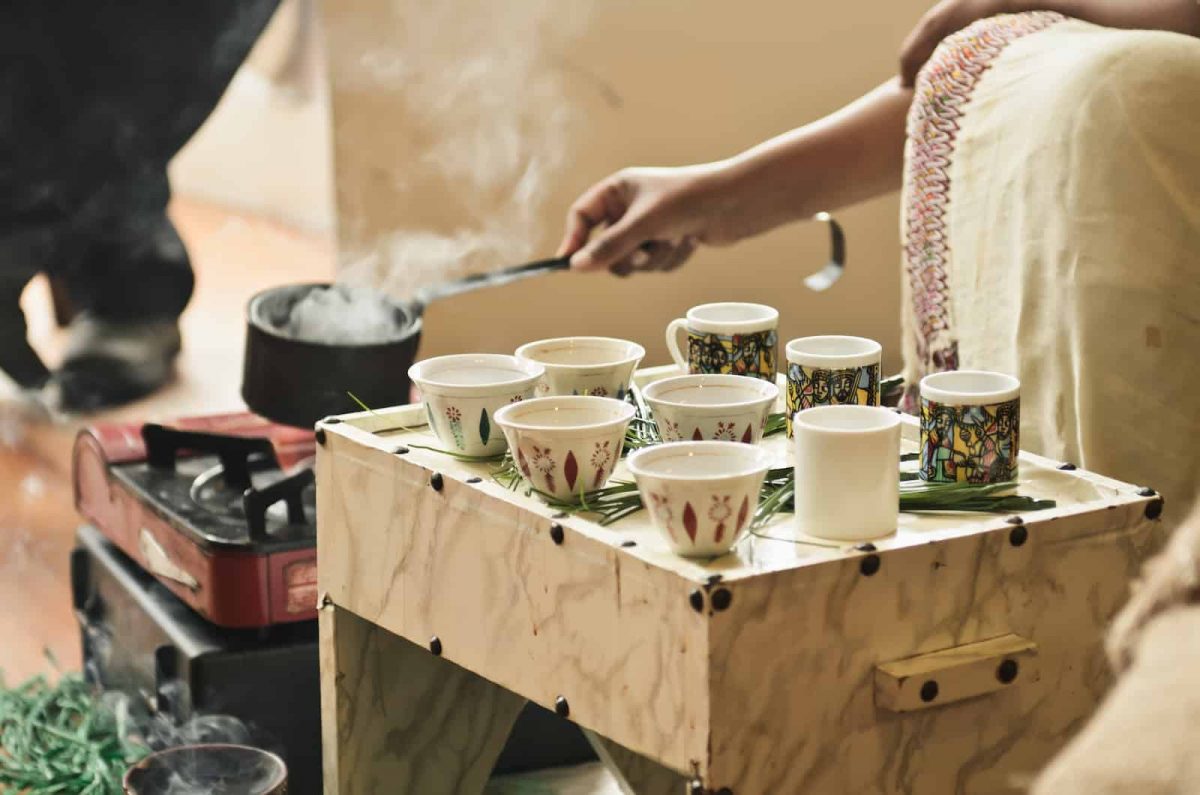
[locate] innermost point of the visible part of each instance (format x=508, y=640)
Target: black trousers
x=95, y=99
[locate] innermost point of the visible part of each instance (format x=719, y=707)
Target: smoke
x=159, y=729
x=487, y=124
x=167, y=718
x=190, y=770
x=207, y=770
x=344, y=315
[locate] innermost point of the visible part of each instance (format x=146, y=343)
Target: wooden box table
x=956, y=656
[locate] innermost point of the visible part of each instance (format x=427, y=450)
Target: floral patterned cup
x=831, y=370
x=596, y=366
x=727, y=339
x=462, y=393
x=715, y=407
x=701, y=495
x=970, y=427
x=565, y=446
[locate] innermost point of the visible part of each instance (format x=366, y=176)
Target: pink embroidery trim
x=943, y=90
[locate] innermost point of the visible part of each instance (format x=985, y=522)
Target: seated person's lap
x=1052, y=224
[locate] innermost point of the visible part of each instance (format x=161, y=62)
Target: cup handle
x=673, y=329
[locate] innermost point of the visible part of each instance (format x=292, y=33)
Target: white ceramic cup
x=847, y=472
x=595, y=366
x=711, y=407
x=566, y=445
x=700, y=495
x=462, y=392
x=727, y=338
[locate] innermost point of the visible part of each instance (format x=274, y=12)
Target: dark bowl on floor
x=297, y=382
x=211, y=769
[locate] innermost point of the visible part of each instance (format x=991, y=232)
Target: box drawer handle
x=950, y=675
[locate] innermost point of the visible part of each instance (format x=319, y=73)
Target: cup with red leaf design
x=729, y=408
x=596, y=366
x=567, y=445
x=462, y=393
x=700, y=495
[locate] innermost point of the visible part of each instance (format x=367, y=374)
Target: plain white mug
x=847, y=472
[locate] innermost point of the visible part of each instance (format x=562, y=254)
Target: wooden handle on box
x=951, y=675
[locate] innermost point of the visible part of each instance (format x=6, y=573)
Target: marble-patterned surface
x=397, y=719
x=774, y=693
x=806, y=720
x=582, y=620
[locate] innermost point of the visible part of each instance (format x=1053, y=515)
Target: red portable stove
x=220, y=509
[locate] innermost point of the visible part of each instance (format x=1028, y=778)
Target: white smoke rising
x=160, y=729
x=487, y=104
x=343, y=315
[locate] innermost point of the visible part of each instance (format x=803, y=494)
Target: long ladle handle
x=426, y=295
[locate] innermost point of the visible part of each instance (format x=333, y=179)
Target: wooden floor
x=234, y=257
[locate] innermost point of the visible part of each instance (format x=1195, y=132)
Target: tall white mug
x=847, y=472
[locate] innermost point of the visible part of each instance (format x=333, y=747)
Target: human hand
x=653, y=217
x=945, y=18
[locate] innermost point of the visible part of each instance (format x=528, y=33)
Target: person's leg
x=100, y=99
x=127, y=276
x=20, y=255
x=948, y=85
x=1073, y=226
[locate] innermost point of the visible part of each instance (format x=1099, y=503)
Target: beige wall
x=265, y=149
x=645, y=83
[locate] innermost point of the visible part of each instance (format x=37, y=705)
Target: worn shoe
x=111, y=363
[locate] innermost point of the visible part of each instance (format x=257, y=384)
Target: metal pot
x=298, y=382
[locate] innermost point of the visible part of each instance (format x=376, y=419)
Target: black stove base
x=138, y=638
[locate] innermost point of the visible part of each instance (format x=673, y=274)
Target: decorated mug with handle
x=727, y=338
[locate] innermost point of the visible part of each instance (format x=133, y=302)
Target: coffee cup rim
x=970, y=387
x=765, y=391
x=635, y=353
x=866, y=352
x=509, y=416
x=768, y=319
x=880, y=419
x=751, y=460
x=424, y=373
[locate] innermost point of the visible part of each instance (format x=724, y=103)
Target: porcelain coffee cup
x=847, y=472
x=727, y=339
x=565, y=446
x=831, y=370
x=591, y=366
x=970, y=427
x=700, y=495
x=711, y=407
x=462, y=393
